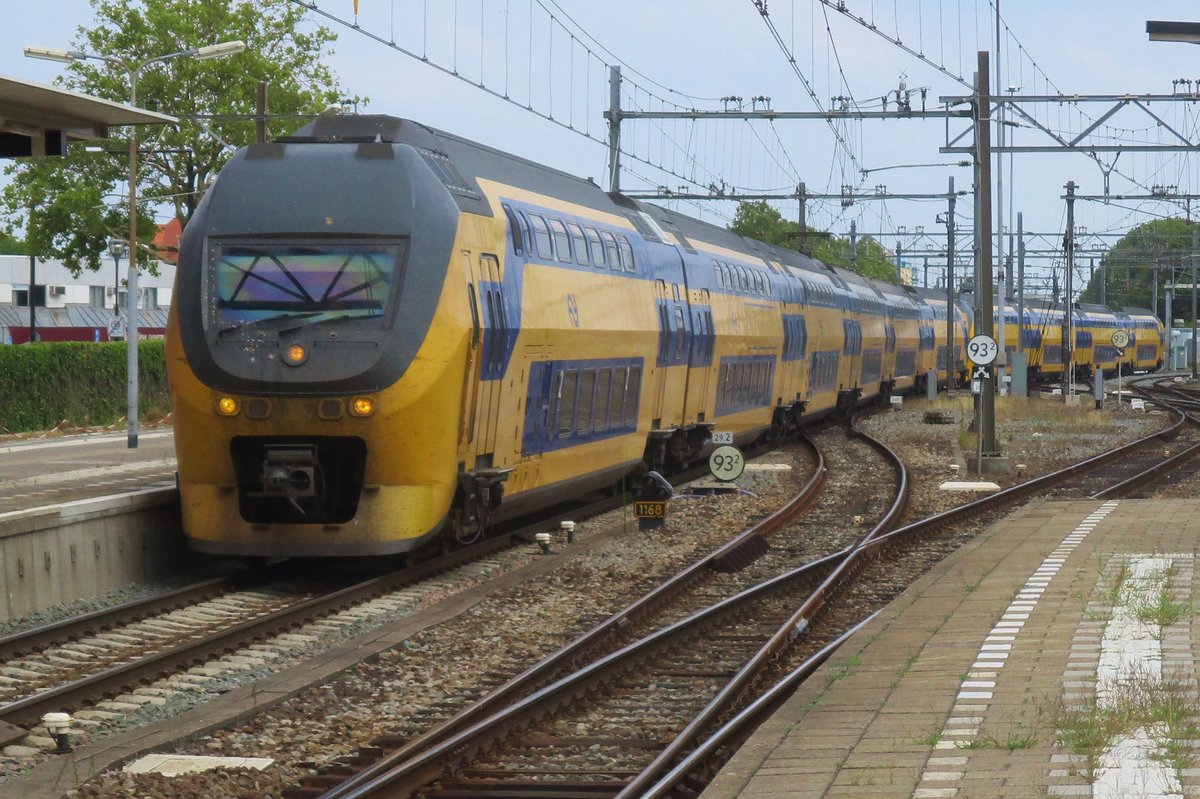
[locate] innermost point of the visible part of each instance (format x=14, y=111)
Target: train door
x=663, y=304
x=485, y=363
x=701, y=356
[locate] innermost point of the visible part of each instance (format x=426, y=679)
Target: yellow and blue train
x=385, y=336
x=1092, y=328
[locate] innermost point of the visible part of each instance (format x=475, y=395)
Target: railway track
x=109, y=653
x=552, y=763
x=116, y=652
x=693, y=606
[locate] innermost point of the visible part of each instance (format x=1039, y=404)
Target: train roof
x=461, y=163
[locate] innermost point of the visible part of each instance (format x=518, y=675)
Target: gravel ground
x=412, y=686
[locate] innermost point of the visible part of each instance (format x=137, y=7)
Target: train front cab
x=1146, y=340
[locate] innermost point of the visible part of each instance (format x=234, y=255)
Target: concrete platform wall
x=81, y=549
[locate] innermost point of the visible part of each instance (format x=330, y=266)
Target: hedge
x=43, y=384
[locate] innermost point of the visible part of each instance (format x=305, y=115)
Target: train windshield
x=315, y=281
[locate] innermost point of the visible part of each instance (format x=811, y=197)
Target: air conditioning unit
x=109, y=291
x=58, y=291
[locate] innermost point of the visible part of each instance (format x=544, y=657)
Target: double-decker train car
x=385, y=336
x=1092, y=329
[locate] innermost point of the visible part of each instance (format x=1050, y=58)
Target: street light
x=117, y=249
x=1161, y=31
x=131, y=295
x=1188, y=32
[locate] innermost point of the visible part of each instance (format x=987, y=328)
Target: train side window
x=541, y=237
x=515, y=228
x=680, y=337
x=474, y=316
x=626, y=250
x=578, y=242
x=620, y=393
x=566, y=403
x=603, y=385
x=595, y=247
x=587, y=389
x=610, y=250
x=562, y=242
x=632, y=395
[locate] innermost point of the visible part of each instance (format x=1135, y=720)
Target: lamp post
x=131, y=293
x=116, y=248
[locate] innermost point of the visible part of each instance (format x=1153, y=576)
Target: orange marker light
x=227, y=406
x=362, y=406
x=295, y=355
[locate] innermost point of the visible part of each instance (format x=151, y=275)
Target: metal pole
x=1169, y=307
x=853, y=247
x=32, y=292
x=1195, y=247
x=802, y=245
x=131, y=294
x=987, y=396
x=951, y=306
x=614, y=129
x=899, y=261
x=1068, y=346
x=1021, y=281
x=260, y=113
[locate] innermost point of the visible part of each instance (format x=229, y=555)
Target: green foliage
x=70, y=206
x=1128, y=280
x=84, y=383
x=10, y=245
x=762, y=221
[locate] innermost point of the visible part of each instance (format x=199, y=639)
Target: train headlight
x=295, y=355
x=331, y=409
x=228, y=406
x=362, y=406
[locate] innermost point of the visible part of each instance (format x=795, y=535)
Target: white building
x=68, y=308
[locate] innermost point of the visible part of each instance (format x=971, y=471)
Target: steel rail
x=1176, y=460
x=745, y=546
x=738, y=728
x=428, y=764
x=73, y=628
x=109, y=681
x=784, y=637
x=657, y=781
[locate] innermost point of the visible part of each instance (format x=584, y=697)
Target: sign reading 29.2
x=726, y=463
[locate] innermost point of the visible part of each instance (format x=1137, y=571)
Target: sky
x=694, y=52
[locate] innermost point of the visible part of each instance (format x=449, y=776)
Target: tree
x=759, y=220
x=1127, y=270
x=10, y=245
x=70, y=206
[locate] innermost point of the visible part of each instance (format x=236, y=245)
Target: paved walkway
x=48, y=471
x=1052, y=656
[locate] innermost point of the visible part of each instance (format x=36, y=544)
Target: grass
x=846, y=669
x=1089, y=729
x=932, y=739
x=1050, y=415
x=1026, y=739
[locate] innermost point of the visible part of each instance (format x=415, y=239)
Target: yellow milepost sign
x=650, y=510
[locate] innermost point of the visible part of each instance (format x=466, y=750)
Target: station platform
x=1054, y=655
x=53, y=470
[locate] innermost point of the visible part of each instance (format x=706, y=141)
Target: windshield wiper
x=259, y=322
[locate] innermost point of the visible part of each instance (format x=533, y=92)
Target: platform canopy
x=36, y=119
